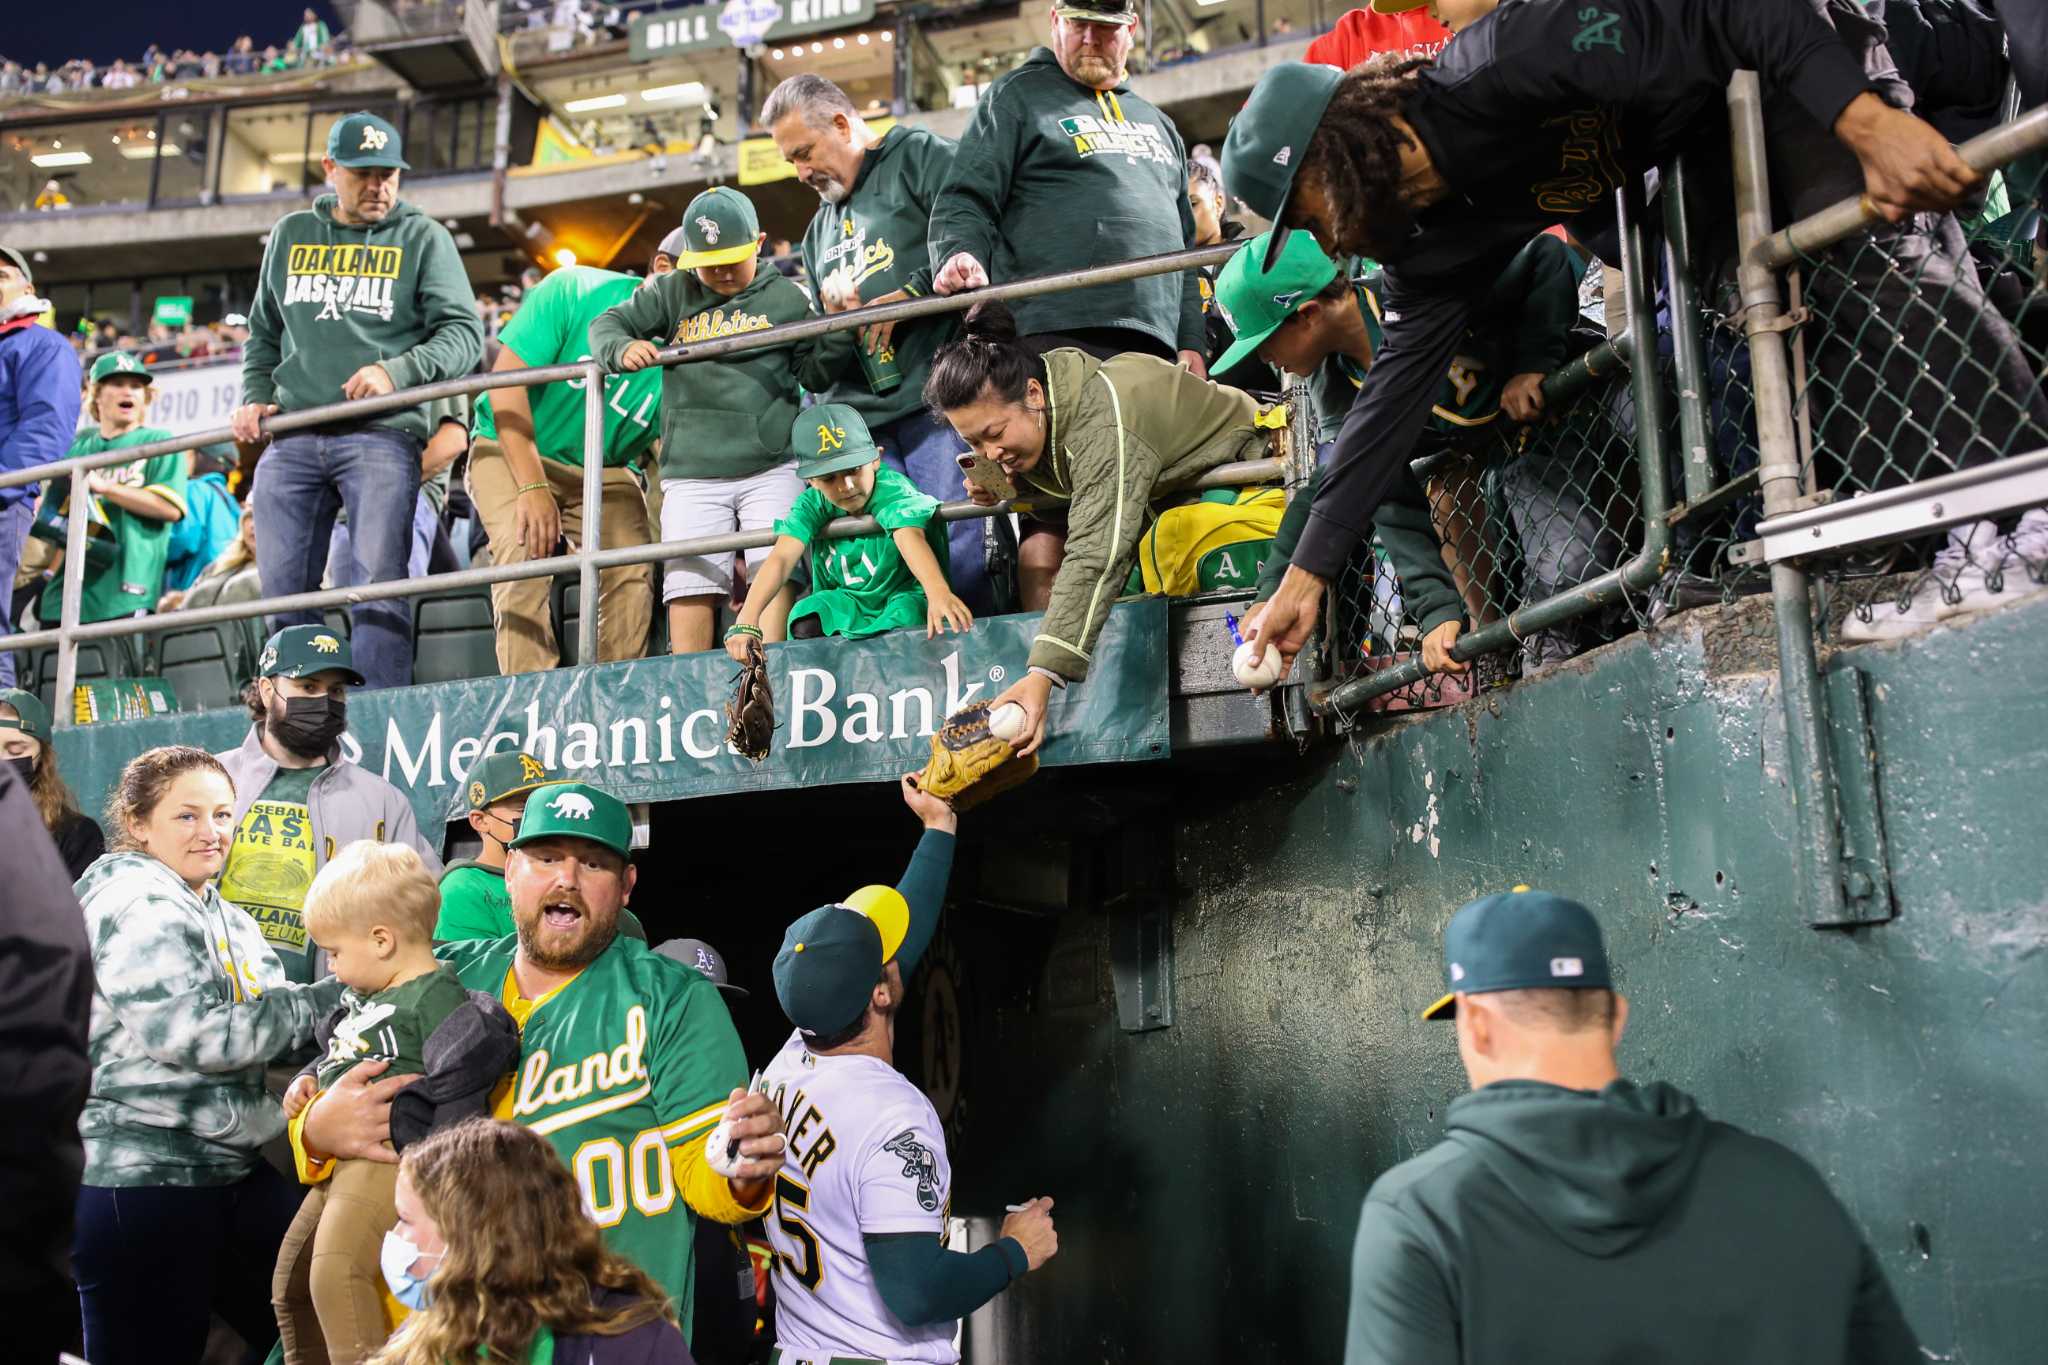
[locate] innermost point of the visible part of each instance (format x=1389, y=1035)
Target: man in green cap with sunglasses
x=891, y=579
x=1572, y=1215
x=1534, y=115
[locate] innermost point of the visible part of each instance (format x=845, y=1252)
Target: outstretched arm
x=923, y=887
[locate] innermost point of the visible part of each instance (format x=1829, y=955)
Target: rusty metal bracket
x=1141, y=965
x=1866, y=872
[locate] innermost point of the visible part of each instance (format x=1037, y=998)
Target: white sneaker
x=1957, y=584
x=2023, y=560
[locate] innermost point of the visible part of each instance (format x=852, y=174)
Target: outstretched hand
x=1908, y=166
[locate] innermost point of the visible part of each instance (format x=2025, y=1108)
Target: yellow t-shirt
x=271, y=865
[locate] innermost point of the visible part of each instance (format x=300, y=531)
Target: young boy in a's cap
x=860, y=585
x=725, y=454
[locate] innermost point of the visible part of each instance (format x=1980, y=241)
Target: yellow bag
x=1179, y=555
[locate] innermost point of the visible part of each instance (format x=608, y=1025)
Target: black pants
x=154, y=1260
x=1101, y=342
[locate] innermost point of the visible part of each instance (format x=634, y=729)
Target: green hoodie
x=726, y=418
x=1052, y=175
x=879, y=229
x=1555, y=1226
x=332, y=298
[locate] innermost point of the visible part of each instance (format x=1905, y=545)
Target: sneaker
x=1959, y=582
x=2024, y=555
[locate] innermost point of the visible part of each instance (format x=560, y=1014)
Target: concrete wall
x=1208, y=1176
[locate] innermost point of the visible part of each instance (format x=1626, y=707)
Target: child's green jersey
x=862, y=585
x=135, y=578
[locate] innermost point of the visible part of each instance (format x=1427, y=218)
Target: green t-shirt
x=392, y=1025
x=862, y=585
x=271, y=864
x=135, y=578
x=552, y=327
x=475, y=904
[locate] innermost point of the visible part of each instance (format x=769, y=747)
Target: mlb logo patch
x=1567, y=966
x=1457, y=971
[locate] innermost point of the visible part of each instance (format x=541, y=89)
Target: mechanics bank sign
x=654, y=729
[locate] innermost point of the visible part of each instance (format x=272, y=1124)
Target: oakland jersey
x=625, y=1069
x=866, y=1156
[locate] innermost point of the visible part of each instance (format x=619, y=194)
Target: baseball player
x=863, y=1276
x=628, y=1061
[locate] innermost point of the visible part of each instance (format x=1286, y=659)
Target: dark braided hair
x=985, y=357
x=1356, y=153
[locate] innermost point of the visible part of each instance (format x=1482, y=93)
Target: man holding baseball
x=628, y=1061
x=862, y=1271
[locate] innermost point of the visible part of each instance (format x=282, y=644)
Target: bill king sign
x=744, y=23
x=654, y=729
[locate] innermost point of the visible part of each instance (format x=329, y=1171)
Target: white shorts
x=693, y=508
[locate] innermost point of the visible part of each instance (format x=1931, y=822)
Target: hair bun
x=990, y=320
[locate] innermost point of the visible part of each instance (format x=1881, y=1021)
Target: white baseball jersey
x=866, y=1155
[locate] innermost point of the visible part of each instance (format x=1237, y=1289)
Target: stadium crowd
x=311, y=44
x=351, y=995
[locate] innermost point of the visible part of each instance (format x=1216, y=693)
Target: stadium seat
x=454, y=636
x=96, y=659
x=204, y=664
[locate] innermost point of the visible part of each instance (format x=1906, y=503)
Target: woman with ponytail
x=1104, y=437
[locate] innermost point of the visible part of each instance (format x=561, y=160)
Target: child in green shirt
x=860, y=585
x=372, y=911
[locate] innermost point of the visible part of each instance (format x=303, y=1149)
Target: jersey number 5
x=790, y=1195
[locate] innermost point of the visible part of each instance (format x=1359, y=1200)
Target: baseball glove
x=750, y=713
x=969, y=764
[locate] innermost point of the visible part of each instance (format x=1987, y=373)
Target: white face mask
x=396, y=1260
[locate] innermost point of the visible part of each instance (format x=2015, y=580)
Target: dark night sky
x=56, y=31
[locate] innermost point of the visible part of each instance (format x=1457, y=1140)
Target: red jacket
x=1361, y=34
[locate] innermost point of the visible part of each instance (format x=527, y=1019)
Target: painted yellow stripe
x=689, y=1123
x=569, y=1118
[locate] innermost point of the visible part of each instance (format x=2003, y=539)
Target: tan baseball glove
x=969, y=764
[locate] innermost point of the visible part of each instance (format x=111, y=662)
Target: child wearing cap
x=372, y=911
x=860, y=585
x=725, y=453
x=124, y=565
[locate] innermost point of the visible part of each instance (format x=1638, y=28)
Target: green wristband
x=737, y=629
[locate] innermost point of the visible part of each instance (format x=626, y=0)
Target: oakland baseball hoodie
x=1555, y=1226
x=334, y=297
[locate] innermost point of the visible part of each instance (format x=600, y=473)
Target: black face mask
x=309, y=725
x=24, y=768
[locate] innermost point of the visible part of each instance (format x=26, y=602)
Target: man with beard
x=866, y=245
x=1534, y=116
x=628, y=1061
x=297, y=799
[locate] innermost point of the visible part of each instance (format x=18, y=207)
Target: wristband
x=530, y=487
x=753, y=632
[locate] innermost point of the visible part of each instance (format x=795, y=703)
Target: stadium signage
x=847, y=711
x=667, y=33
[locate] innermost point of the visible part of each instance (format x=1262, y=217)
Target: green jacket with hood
x=1558, y=1227
x=879, y=230
x=333, y=297
x=1052, y=175
x=1120, y=433
x=730, y=417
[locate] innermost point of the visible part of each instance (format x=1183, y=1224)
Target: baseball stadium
x=853, y=682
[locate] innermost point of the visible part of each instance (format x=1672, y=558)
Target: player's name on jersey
x=810, y=1134
x=618, y=1077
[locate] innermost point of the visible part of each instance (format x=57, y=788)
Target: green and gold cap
x=302, y=651
x=1257, y=296
x=497, y=777
x=1269, y=138
x=119, y=362
x=1098, y=11
x=719, y=228
x=828, y=965
x=829, y=437
x=577, y=810
x=32, y=717
x=1520, y=940
x=362, y=141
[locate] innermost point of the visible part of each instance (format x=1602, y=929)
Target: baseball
x=1007, y=722
x=1258, y=676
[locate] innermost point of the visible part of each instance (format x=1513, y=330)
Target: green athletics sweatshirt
x=332, y=298
x=1052, y=175
x=726, y=418
x=879, y=231
x=1558, y=1227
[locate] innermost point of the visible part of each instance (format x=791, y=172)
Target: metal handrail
x=586, y=561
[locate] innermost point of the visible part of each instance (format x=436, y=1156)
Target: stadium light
x=564, y=257
x=148, y=150
x=48, y=159
x=594, y=103
x=689, y=92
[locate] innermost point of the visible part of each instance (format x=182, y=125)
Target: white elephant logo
x=572, y=806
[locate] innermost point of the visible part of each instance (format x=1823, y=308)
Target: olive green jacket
x=1119, y=434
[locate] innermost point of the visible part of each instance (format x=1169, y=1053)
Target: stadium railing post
x=1808, y=757
x=593, y=510
x=1687, y=360
x=76, y=523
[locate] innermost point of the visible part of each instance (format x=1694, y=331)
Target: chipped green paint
x=1208, y=1176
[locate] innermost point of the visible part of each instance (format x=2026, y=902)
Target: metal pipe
x=76, y=522
x=1846, y=218
x=1806, y=748
x=1581, y=371
x=593, y=508
x=1688, y=358
x=1236, y=475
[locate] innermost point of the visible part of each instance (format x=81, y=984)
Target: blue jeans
x=923, y=448
x=153, y=1260
x=345, y=571
x=14, y=523
x=302, y=482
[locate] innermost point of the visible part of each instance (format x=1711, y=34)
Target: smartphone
x=986, y=475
